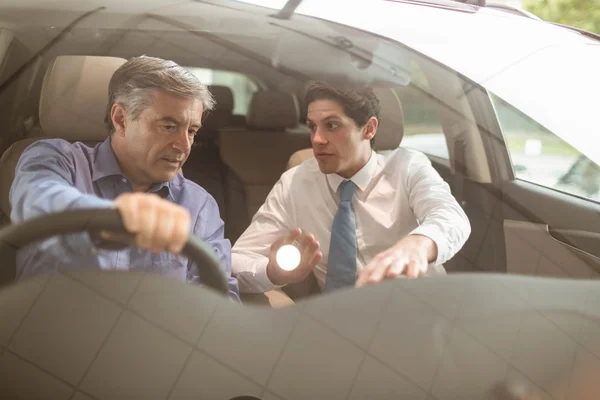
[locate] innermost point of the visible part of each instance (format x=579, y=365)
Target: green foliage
x=584, y=14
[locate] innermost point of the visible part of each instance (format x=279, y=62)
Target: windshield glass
x=526, y=66
x=467, y=132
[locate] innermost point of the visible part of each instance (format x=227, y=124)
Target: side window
x=242, y=86
x=541, y=157
x=422, y=128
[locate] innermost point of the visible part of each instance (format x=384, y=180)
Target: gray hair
x=131, y=86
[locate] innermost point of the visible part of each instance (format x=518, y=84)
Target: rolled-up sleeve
x=440, y=216
x=44, y=184
x=211, y=228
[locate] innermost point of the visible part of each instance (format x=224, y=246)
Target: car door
x=548, y=199
x=539, y=211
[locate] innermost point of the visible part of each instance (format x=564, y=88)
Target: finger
x=181, y=231
x=395, y=270
x=162, y=236
x=314, y=243
x=289, y=238
x=422, y=268
x=293, y=235
x=306, y=268
x=172, y=227
x=378, y=273
x=364, y=275
x=128, y=208
x=309, y=245
x=317, y=257
x=362, y=278
x=305, y=239
x=310, y=260
x=308, y=256
x=416, y=269
x=411, y=269
x=277, y=244
x=144, y=238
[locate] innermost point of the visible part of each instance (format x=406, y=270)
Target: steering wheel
x=96, y=220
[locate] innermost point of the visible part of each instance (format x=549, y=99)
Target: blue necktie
x=341, y=269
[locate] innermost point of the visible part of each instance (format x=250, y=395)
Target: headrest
x=223, y=97
x=391, y=124
x=272, y=110
x=220, y=115
x=75, y=95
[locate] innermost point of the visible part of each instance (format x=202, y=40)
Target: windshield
x=526, y=65
x=478, y=142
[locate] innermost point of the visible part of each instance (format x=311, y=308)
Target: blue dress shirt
x=54, y=175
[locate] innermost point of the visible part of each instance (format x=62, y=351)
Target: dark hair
x=359, y=104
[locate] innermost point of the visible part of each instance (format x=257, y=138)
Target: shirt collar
x=105, y=165
x=105, y=162
x=361, y=179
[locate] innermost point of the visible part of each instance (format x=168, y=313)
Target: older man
x=155, y=109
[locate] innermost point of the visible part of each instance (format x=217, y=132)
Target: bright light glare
x=276, y=4
x=288, y=257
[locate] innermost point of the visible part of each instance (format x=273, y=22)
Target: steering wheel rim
x=90, y=220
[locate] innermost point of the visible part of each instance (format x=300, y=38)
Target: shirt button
x=124, y=180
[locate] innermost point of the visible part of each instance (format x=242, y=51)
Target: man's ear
x=371, y=128
x=119, y=117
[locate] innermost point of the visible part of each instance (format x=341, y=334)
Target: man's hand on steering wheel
x=155, y=223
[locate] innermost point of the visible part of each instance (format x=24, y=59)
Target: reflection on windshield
x=5, y=83
x=275, y=4
x=529, y=74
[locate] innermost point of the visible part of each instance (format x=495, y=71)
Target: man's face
x=340, y=146
x=159, y=141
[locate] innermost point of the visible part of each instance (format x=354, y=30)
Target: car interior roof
x=216, y=37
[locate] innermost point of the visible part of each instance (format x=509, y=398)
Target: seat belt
x=460, y=171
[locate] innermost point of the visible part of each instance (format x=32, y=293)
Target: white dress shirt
x=397, y=194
